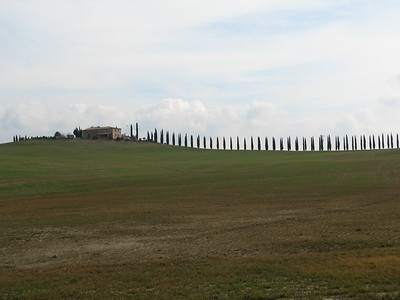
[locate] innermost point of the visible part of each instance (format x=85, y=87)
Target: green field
x=123, y=220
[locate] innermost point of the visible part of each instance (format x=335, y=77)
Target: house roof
x=98, y=127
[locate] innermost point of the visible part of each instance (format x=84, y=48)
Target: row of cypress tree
x=324, y=143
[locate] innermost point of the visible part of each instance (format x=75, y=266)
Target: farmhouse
x=102, y=133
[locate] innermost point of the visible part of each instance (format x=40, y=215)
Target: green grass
x=103, y=219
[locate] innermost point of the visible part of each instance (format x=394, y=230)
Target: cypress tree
x=397, y=140
x=162, y=136
x=224, y=143
x=211, y=145
x=379, y=141
x=370, y=142
x=231, y=143
x=373, y=142
x=312, y=144
x=155, y=136
x=148, y=136
x=296, y=144
x=173, y=138
x=198, y=141
x=252, y=144
x=237, y=143
x=217, y=143
x=289, y=144
x=204, y=143
x=266, y=143
x=167, y=137
x=304, y=144
x=244, y=143
x=383, y=142
x=388, y=141
x=391, y=140
x=191, y=141
x=273, y=144
x=186, y=140
x=131, y=132
x=259, y=143
x=281, y=143
x=137, y=131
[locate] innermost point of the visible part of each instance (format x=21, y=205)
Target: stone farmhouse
x=102, y=133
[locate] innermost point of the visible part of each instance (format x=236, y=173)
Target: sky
x=213, y=68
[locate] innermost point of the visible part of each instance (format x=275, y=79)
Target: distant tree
x=224, y=143
x=237, y=143
x=198, y=141
x=231, y=143
x=391, y=140
x=273, y=144
x=347, y=143
x=379, y=141
x=259, y=143
x=355, y=143
x=179, y=139
x=252, y=144
x=281, y=143
x=211, y=145
x=137, y=131
x=186, y=140
x=296, y=143
x=191, y=141
x=167, y=137
x=370, y=142
x=173, y=138
x=383, y=141
x=244, y=143
x=397, y=140
x=289, y=144
x=162, y=136
x=14, y=139
x=304, y=144
x=155, y=136
x=131, y=132
x=266, y=143
x=373, y=142
x=388, y=141
x=217, y=143
x=204, y=143
x=148, y=136
x=329, y=143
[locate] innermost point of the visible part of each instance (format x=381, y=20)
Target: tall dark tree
x=137, y=131
x=224, y=143
x=379, y=141
x=204, y=143
x=304, y=144
x=173, y=138
x=397, y=140
x=252, y=144
x=281, y=143
x=329, y=143
x=155, y=136
x=296, y=143
x=273, y=144
x=347, y=143
x=131, y=131
x=237, y=143
x=186, y=140
x=391, y=140
x=365, y=142
x=217, y=143
x=162, y=136
x=259, y=143
x=167, y=137
x=198, y=141
x=370, y=142
x=231, y=143
x=244, y=144
x=191, y=141
x=373, y=142
x=289, y=144
x=312, y=144
x=383, y=141
x=266, y=143
x=148, y=136
x=211, y=145
x=388, y=141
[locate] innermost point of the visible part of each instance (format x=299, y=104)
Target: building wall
x=102, y=132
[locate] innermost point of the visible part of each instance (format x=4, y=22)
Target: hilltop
x=96, y=219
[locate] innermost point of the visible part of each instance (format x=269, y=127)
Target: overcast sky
x=214, y=68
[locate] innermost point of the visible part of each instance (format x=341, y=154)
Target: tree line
x=322, y=143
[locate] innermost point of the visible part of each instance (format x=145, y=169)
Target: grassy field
x=122, y=220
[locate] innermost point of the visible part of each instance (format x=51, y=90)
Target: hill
x=101, y=219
